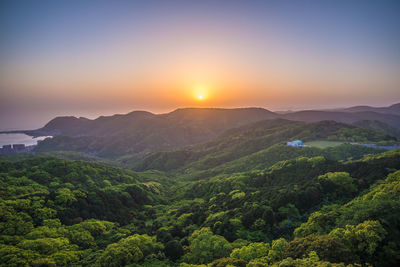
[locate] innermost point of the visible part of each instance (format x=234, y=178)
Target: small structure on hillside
x=295, y=143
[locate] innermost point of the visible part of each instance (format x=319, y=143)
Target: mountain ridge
x=390, y=114
x=145, y=132
x=358, y=113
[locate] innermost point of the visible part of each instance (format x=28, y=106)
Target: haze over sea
x=9, y=139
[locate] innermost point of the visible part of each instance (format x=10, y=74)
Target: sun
x=200, y=93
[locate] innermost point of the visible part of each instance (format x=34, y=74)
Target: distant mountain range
x=393, y=109
x=211, y=120
x=145, y=132
x=207, y=122
x=140, y=131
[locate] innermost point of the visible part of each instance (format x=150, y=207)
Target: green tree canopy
x=206, y=246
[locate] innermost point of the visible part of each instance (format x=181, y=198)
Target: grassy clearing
x=323, y=144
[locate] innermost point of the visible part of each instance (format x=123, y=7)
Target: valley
x=238, y=196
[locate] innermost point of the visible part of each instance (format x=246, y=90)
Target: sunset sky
x=88, y=58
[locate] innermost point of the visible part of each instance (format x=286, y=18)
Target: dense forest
x=244, y=198
x=306, y=211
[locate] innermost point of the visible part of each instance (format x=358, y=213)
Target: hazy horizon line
x=93, y=115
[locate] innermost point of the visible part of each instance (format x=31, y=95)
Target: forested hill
x=268, y=137
x=229, y=145
x=393, y=109
x=342, y=116
x=80, y=190
x=379, y=127
x=206, y=122
x=307, y=211
x=142, y=131
x=214, y=120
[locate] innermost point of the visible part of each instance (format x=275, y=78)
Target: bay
x=20, y=138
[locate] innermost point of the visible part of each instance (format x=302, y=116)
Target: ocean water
x=10, y=139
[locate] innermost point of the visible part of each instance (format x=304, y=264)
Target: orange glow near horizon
x=200, y=93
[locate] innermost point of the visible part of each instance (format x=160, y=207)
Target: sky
x=91, y=58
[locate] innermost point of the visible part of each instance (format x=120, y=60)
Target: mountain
x=393, y=109
x=142, y=132
x=342, y=116
x=379, y=127
x=246, y=140
x=139, y=131
x=209, y=121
